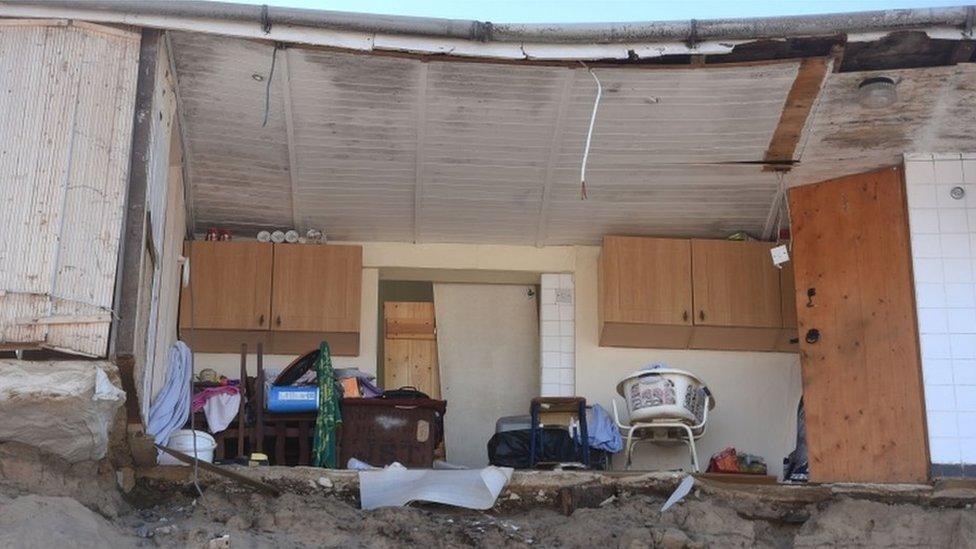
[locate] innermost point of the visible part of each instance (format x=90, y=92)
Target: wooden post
x=128, y=279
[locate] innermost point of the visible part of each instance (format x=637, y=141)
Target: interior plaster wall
x=491, y=367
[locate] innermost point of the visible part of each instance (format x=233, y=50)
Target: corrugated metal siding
x=65, y=135
x=393, y=148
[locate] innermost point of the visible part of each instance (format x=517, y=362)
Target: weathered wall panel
x=65, y=131
x=164, y=204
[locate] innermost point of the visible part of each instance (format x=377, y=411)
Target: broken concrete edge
x=69, y=408
x=571, y=490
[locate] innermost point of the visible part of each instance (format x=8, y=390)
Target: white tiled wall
x=943, y=233
x=558, y=335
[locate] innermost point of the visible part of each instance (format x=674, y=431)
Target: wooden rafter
x=799, y=103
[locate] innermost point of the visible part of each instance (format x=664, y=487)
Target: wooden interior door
x=735, y=284
x=230, y=286
x=410, y=347
x=862, y=382
x=646, y=280
x=317, y=288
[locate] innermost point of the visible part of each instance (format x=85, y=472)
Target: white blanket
x=396, y=486
x=221, y=410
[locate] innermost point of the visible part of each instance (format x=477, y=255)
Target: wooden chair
x=563, y=411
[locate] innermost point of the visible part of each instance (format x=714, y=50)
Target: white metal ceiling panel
x=397, y=148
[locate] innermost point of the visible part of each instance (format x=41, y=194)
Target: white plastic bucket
x=182, y=441
x=662, y=394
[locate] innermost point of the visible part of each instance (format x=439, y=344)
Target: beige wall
x=756, y=393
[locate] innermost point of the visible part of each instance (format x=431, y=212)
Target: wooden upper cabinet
x=735, y=284
x=230, y=286
x=317, y=288
x=646, y=280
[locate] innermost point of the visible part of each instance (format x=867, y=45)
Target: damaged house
x=507, y=222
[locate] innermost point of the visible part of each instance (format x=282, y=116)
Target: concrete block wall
x=558, y=335
x=943, y=234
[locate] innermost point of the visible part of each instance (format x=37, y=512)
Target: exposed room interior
x=491, y=229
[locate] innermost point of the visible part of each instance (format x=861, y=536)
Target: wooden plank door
x=410, y=347
x=862, y=381
x=735, y=284
x=317, y=288
x=230, y=285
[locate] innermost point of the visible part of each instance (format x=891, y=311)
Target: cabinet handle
x=685, y=316
x=261, y=320
x=278, y=320
x=701, y=315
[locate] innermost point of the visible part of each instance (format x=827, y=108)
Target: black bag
x=407, y=392
x=796, y=467
x=512, y=448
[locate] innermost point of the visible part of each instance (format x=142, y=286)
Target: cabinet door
x=317, y=287
x=735, y=284
x=646, y=280
x=230, y=286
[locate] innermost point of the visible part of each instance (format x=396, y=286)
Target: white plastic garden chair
x=663, y=431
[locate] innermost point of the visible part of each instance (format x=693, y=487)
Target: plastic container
x=285, y=399
x=664, y=394
x=182, y=441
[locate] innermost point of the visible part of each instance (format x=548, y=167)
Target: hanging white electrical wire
x=589, y=132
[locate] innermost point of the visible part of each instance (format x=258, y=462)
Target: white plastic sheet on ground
x=63, y=407
x=396, y=486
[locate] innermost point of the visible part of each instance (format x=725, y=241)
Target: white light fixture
x=877, y=92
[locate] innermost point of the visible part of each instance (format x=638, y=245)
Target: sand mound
x=41, y=521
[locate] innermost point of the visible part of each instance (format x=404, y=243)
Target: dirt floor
x=47, y=503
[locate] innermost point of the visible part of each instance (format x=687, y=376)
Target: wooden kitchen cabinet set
x=697, y=294
x=287, y=296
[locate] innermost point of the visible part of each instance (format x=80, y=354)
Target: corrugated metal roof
x=399, y=149
x=63, y=159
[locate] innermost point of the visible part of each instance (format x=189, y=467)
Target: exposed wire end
x=267, y=85
x=589, y=132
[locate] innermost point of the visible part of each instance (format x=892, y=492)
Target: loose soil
x=163, y=510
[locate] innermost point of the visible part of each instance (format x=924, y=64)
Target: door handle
x=261, y=320
x=278, y=320
x=684, y=316
x=813, y=336
x=701, y=315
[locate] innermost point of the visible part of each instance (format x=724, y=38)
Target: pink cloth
x=203, y=396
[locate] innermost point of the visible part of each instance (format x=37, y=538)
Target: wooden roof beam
x=799, y=103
